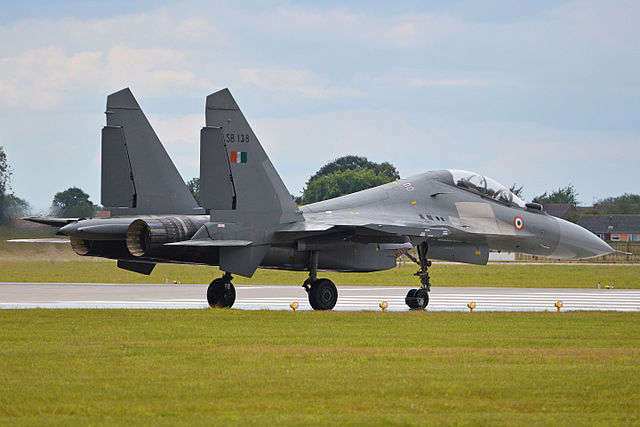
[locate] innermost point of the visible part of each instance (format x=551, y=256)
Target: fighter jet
x=247, y=218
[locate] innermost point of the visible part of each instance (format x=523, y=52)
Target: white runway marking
x=269, y=297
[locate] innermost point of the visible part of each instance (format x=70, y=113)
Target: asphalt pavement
x=274, y=297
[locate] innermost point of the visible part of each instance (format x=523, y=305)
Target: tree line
x=10, y=204
x=344, y=175
x=341, y=176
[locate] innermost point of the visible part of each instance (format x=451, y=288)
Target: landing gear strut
x=221, y=293
x=418, y=299
x=323, y=294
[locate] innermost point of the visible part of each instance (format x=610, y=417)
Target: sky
x=541, y=94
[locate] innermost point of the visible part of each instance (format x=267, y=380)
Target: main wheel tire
x=323, y=295
x=221, y=294
x=422, y=298
x=411, y=300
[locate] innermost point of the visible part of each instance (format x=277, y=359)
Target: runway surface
x=268, y=297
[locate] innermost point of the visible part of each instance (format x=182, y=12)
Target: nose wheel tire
x=221, y=293
x=323, y=294
x=417, y=299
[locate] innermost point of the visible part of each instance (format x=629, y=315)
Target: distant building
x=560, y=210
x=597, y=208
x=617, y=228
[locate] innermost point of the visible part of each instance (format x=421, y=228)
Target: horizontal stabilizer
x=209, y=242
x=137, y=267
x=48, y=220
x=242, y=260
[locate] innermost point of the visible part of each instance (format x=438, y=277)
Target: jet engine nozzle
x=143, y=235
x=114, y=249
x=80, y=246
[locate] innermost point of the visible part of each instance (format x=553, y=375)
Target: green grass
x=506, y=275
x=236, y=367
x=33, y=262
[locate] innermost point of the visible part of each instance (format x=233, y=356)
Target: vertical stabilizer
x=138, y=177
x=244, y=179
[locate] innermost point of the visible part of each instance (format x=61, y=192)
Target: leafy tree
x=73, y=203
x=344, y=163
x=5, y=172
x=574, y=217
x=625, y=204
x=346, y=175
x=567, y=195
x=194, y=187
x=341, y=183
x=10, y=205
x=516, y=190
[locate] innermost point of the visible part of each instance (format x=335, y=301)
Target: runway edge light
x=294, y=305
x=384, y=305
x=559, y=305
x=471, y=305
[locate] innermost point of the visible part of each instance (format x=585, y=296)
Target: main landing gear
x=221, y=292
x=418, y=299
x=323, y=294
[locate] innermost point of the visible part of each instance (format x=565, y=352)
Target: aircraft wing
x=383, y=225
x=49, y=220
x=211, y=242
x=43, y=240
x=455, y=228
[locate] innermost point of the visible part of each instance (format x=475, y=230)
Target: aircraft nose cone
x=579, y=243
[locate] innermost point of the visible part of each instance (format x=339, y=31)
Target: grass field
x=506, y=275
x=226, y=366
x=32, y=262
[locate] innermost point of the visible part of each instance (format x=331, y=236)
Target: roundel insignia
x=518, y=223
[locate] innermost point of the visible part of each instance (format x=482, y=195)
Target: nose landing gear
x=418, y=299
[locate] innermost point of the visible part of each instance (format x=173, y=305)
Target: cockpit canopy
x=485, y=186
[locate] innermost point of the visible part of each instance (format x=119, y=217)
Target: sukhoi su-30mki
x=247, y=219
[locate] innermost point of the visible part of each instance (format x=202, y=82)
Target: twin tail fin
x=138, y=176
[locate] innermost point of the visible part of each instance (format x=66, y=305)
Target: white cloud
x=194, y=29
x=572, y=66
x=445, y=83
x=403, y=34
x=44, y=78
x=181, y=138
x=539, y=157
x=301, y=82
x=348, y=27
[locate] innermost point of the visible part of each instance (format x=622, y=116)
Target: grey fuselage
x=363, y=231
x=246, y=218
x=432, y=202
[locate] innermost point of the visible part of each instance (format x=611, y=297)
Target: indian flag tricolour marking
x=238, y=157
